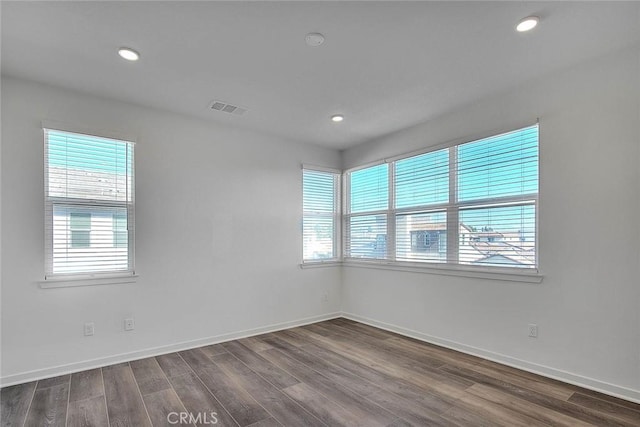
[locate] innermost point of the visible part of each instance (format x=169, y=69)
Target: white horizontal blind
x=422, y=180
x=320, y=214
x=473, y=203
x=89, y=204
x=366, y=220
x=369, y=189
x=497, y=189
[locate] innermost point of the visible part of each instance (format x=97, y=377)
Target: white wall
x=588, y=305
x=210, y=270
x=218, y=238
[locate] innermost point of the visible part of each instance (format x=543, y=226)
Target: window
x=320, y=195
x=88, y=205
x=471, y=204
x=80, y=224
x=367, y=215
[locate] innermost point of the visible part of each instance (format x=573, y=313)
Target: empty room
x=323, y=213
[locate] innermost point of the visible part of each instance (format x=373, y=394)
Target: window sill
x=497, y=273
x=69, y=282
x=318, y=264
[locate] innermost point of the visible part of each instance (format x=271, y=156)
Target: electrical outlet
x=533, y=330
x=88, y=329
x=129, y=325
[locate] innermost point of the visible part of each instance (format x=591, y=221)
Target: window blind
x=366, y=227
x=89, y=204
x=497, y=189
x=473, y=203
x=422, y=180
x=320, y=214
x=369, y=189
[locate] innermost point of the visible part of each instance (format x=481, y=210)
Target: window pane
x=318, y=191
x=422, y=237
x=318, y=233
x=84, y=239
x=80, y=229
x=503, y=165
x=319, y=200
x=369, y=189
x=88, y=167
x=422, y=180
x=367, y=236
x=88, y=203
x=499, y=236
x=120, y=231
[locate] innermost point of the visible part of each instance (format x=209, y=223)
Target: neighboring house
x=484, y=246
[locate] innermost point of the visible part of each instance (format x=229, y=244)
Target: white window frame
x=55, y=280
x=336, y=215
x=452, y=209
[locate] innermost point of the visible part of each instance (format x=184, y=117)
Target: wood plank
x=88, y=413
x=269, y=422
x=261, y=366
x=551, y=386
x=620, y=412
x=238, y=401
x=348, y=399
x=524, y=382
x=149, y=375
x=568, y=408
x=385, y=349
x=338, y=375
x=443, y=384
x=611, y=399
x=281, y=407
x=372, y=334
x=496, y=414
x=213, y=349
x=197, y=360
x=51, y=382
x=463, y=417
x=291, y=337
x=422, y=408
x=14, y=403
x=173, y=365
x=400, y=423
x=124, y=402
x=197, y=399
x=450, y=357
x=86, y=385
x=401, y=388
x=324, y=409
x=419, y=413
x=540, y=413
x=49, y=406
x=255, y=343
x=162, y=403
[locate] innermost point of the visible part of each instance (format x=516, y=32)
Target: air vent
x=225, y=107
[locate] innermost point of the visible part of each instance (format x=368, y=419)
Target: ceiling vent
x=225, y=107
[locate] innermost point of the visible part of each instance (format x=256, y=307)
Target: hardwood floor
x=333, y=373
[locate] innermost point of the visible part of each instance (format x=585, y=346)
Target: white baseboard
x=546, y=371
x=568, y=377
x=70, y=368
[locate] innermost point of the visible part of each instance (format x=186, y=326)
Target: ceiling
x=384, y=65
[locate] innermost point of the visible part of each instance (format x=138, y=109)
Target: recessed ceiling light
x=337, y=118
x=314, y=39
x=527, y=24
x=128, y=54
